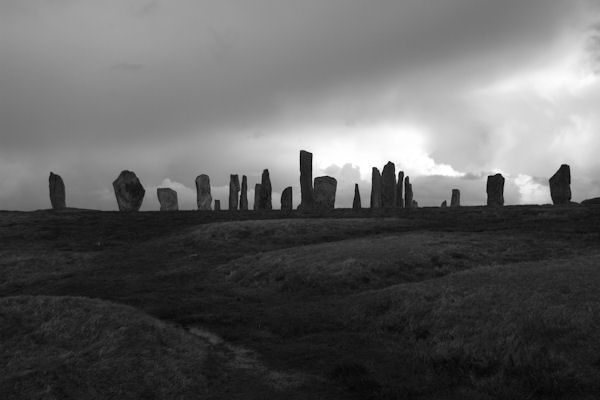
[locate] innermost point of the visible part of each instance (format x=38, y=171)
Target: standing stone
x=244, y=194
x=560, y=185
x=203, y=196
x=217, y=205
x=444, y=204
x=408, y=193
x=356, y=204
x=306, y=181
x=258, y=197
x=234, y=189
x=415, y=204
x=324, y=192
x=167, y=199
x=129, y=191
x=388, y=185
x=375, y=188
x=455, y=200
x=266, y=190
x=57, y=191
x=286, y=199
x=495, y=190
x=399, y=191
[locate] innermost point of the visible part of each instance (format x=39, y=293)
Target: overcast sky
x=450, y=91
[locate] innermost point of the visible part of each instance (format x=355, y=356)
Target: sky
x=450, y=91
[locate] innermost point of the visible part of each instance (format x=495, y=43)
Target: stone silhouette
x=375, y=188
x=217, y=205
x=324, y=192
x=388, y=185
x=258, y=205
x=129, y=191
x=234, y=189
x=455, y=200
x=286, y=199
x=444, y=204
x=306, y=181
x=399, y=191
x=266, y=190
x=495, y=190
x=414, y=204
x=57, y=192
x=167, y=199
x=560, y=185
x=203, y=196
x=244, y=194
x=356, y=203
x=408, y=193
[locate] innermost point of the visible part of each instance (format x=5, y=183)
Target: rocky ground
x=468, y=303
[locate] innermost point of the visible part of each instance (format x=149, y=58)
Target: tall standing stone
x=286, y=199
x=408, y=193
x=168, y=199
x=306, y=181
x=399, y=191
x=203, y=196
x=495, y=190
x=129, y=191
x=375, y=188
x=244, y=194
x=324, y=192
x=356, y=203
x=234, y=190
x=560, y=185
x=57, y=191
x=266, y=190
x=217, y=205
x=258, y=205
x=455, y=200
x=388, y=185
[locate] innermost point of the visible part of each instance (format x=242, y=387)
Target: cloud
x=129, y=67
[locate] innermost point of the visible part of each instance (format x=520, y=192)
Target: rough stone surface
x=408, y=193
x=234, y=190
x=306, y=181
x=415, y=204
x=168, y=199
x=129, y=191
x=375, y=188
x=217, y=205
x=266, y=190
x=57, y=192
x=399, y=190
x=258, y=205
x=495, y=190
x=455, y=200
x=286, y=199
x=560, y=185
x=324, y=192
x=203, y=196
x=388, y=185
x=444, y=204
x=356, y=203
x=244, y=194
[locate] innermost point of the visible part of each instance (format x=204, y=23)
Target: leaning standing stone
x=306, y=181
x=455, y=200
x=408, y=193
x=388, y=185
x=324, y=192
x=495, y=190
x=57, y=191
x=129, y=191
x=356, y=204
x=286, y=199
x=167, y=199
x=375, y=188
x=203, y=196
x=244, y=194
x=234, y=189
x=266, y=190
x=399, y=191
x=560, y=185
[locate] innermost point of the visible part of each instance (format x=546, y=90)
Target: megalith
x=408, y=193
x=286, y=199
x=356, y=204
x=455, y=200
x=244, y=194
x=266, y=190
x=414, y=204
x=234, y=190
x=399, y=190
x=258, y=205
x=495, y=190
x=324, y=192
x=375, y=188
x=306, y=181
x=57, y=191
x=203, y=196
x=560, y=185
x=129, y=191
x=388, y=185
x=168, y=199
x=444, y=204
x=217, y=205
